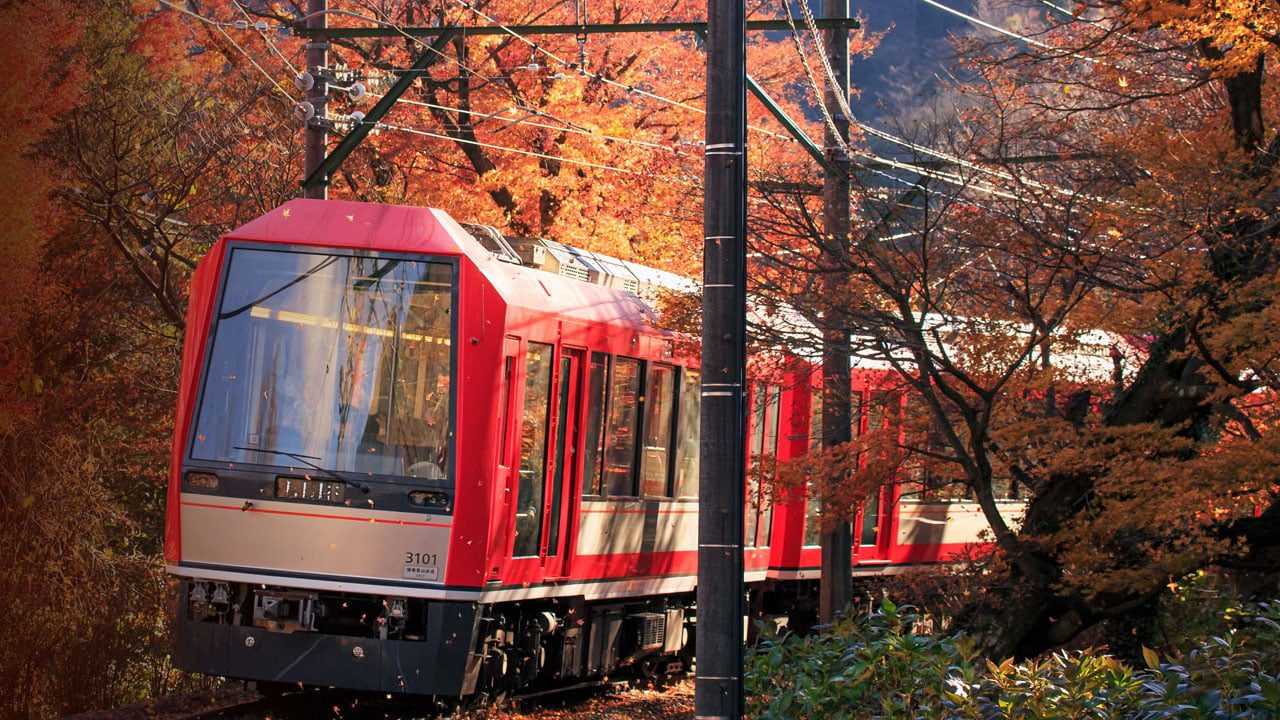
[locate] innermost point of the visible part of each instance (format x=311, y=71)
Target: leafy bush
x=876, y=666
x=870, y=666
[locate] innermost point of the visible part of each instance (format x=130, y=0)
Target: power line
x=270, y=44
x=221, y=26
x=536, y=47
x=565, y=126
x=1044, y=46
x=839, y=96
x=531, y=153
x=568, y=127
x=813, y=82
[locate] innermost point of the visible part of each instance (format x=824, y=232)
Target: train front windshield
x=337, y=362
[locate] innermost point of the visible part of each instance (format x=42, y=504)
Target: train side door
x=547, y=463
x=561, y=512
x=508, y=444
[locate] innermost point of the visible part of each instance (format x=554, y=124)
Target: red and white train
x=416, y=457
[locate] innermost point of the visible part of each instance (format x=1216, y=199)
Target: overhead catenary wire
x=536, y=47
x=530, y=153
x=841, y=98
x=845, y=108
x=457, y=62
x=270, y=44
x=691, y=182
x=221, y=26
x=562, y=127
x=1042, y=45
x=813, y=82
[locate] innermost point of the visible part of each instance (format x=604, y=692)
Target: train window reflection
x=533, y=449
x=766, y=407
x=597, y=392
x=659, y=408
x=621, y=423
x=688, y=432
x=341, y=362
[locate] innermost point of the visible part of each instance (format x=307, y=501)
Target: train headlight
x=428, y=498
x=204, y=481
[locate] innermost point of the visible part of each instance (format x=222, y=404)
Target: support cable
x=530, y=153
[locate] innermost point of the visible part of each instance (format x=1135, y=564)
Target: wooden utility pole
x=317, y=134
x=837, y=546
x=722, y=472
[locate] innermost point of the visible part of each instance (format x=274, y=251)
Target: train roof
x=544, y=276
x=539, y=275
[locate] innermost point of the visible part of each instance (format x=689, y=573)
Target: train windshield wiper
x=306, y=460
x=272, y=293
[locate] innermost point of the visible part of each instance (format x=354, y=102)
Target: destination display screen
x=300, y=488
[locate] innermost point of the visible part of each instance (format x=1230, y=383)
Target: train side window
x=659, y=407
x=813, y=508
x=815, y=417
x=621, y=423
x=936, y=481
x=597, y=394
x=533, y=449
x=688, y=433
x=1003, y=487
x=921, y=478
x=858, y=409
x=885, y=410
x=773, y=415
x=766, y=405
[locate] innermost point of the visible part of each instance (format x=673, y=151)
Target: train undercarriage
x=287, y=637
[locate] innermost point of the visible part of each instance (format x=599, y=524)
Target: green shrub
x=869, y=666
x=876, y=666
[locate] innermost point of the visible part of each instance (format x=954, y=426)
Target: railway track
x=582, y=700
x=311, y=704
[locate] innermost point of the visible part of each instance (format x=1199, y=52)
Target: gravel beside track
x=670, y=701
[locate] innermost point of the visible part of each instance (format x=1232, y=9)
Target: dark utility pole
x=837, y=546
x=316, y=134
x=721, y=602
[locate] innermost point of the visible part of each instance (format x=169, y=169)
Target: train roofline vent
x=597, y=268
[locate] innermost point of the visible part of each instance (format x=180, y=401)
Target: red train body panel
x=405, y=460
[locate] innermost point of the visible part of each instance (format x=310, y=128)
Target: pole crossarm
x=796, y=132
x=587, y=29
x=348, y=143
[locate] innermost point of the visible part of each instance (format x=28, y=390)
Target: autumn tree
x=41, y=34
x=1115, y=173
x=1169, y=98
x=155, y=142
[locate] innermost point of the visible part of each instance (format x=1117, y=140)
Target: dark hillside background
x=904, y=71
